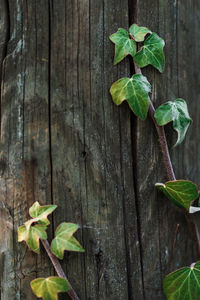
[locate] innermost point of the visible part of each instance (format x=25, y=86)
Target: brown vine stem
x=59, y=269
x=169, y=168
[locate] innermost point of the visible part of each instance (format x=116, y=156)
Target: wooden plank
x=121, y=140
x=67, y=171
x=11, y=151
x=93, y=182
x=63, y=141
x=36, y=147
x=158, y=219
x=24, y=139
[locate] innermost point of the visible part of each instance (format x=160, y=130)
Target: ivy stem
x=59, y=269
x=162, y=138
x=163, y=145
x=169, y=168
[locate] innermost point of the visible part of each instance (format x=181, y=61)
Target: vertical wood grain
x=175, y=22
x=25, y=160
x=93, y=182
x=63, y=141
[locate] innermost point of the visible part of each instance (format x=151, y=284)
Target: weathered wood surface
x=63, y=141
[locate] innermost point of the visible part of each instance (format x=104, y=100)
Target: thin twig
x=59, y=269
x=163, y=145
x=162, y=138
x=169, y=168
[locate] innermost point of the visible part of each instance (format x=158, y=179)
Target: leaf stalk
x=169, y=168
x=57, y=266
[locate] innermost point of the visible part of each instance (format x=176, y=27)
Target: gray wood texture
x=63, y=141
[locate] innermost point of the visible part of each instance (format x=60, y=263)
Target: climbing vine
x=146, y=48
x=32, y=232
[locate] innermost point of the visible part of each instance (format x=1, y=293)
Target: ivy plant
x=32, y=232
x=135, y=90
x=146, y=48
x=176, y=112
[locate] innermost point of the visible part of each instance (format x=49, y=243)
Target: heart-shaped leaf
x=183, y=284
x=151, y=53
x=32, y=235
x=124, y=45
x=135, y=90
x=180, y=192
x=176, y=112
x=138, y=32
x=64, y=240
x=39, y=214
x=48, y=288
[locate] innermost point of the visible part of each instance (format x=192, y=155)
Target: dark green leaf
x=180, y=192
x=123, y=45
x=138, y=32
x=39, y=214
x=183, y=284
x=151, y=53
x=64, y=240
x=48, y=288
x=177, y=112
x=135, y=90
x=32, y=235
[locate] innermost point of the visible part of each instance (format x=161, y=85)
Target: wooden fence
x=63, y=141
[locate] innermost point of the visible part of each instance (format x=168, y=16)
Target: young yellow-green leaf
x=135, y=90
x=176, y=112
x=183, y=284
x=39, y=214
x=180, y=192
x=138, y=32
x=123, y=45
x=48, y=288
x=64, y=240
x=32, y=235
x=151, y=53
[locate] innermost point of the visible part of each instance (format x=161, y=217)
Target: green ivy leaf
x=39, y=214
x=177, y=112
x=48, y=288
x=183, y=284
x=64, y=240
x=123, y=45
x=138, y=32
x=135, y=90
x=180, y=192
x=151, y=53
x=32, y=235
